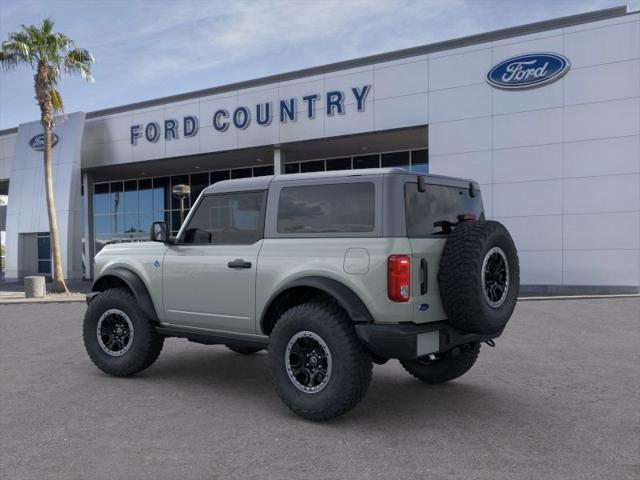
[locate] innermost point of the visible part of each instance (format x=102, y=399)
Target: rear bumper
x=409, y=341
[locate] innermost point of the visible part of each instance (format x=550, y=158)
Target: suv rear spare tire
x=479, y=277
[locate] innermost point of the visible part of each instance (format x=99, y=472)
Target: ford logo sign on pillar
x=37, y=142
x=528, y=71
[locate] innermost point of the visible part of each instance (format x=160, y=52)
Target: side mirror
x=159, y=232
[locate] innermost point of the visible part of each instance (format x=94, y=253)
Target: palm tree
x=50, y=55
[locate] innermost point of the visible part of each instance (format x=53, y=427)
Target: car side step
x=210, y=339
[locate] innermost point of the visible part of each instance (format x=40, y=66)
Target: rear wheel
x=242, y=349
x=319, y=367
x=445, y=368
x=118, y=337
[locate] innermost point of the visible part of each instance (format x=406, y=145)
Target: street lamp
x=182, y=192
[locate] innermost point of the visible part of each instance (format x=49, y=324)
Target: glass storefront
x=414, y=160
x=124, y=210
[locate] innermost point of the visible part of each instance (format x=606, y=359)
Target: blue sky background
x=149, y=49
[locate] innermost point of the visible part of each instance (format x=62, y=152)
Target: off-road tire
x=460, y=277
x=242, y=349
x=352, y=365
x=443, y=369
x=145, y=346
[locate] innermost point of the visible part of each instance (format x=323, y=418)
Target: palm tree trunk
x=59, y=284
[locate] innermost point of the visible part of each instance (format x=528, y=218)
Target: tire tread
x=358, y=358
x=146, y=352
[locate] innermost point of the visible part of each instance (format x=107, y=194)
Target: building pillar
x=278, y=161
x=89, y=243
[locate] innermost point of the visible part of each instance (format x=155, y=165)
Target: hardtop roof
x=263, y=183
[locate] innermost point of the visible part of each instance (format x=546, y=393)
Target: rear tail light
x=398, y=278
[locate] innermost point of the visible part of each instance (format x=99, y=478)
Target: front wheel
x=445, y=368
x=319, y=367
x=118, y=337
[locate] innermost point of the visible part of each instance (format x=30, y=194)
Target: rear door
x=425, y=213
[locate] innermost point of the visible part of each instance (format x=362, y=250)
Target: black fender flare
x=346, y=298
x=135, y=284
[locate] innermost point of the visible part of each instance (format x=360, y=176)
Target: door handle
x=424, y=276
x=239, y=263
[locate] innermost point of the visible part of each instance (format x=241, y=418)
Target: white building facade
x=546, y=117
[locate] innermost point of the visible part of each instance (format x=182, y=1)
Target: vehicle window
x=345, y=207
x=435, y=204
x=228, y=219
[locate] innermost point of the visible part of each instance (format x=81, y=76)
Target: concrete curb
x=73, y=298
x=80, y=298
x=576, y=297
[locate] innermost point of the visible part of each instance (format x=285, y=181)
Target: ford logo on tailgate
x=37, y=142
x=528, y=71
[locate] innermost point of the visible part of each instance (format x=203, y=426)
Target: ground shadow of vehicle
x=394, y=396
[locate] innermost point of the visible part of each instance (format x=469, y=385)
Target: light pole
x=182, y=192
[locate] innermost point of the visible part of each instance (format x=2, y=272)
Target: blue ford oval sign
x=37, y=142
x=528, y=71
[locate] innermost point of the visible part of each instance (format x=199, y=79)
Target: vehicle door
x=427, y=213
x=209, y=273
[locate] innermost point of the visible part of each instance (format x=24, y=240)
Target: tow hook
x=491, y=343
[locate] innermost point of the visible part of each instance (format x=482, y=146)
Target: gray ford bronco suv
x=330, y=272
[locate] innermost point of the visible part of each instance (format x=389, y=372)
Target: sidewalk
x=14, y=293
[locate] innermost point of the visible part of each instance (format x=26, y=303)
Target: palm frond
x=56, y=101
x=79, y=61
x=47, y=26
x=63, y=42
x=9, y=61
x=18, y=47
x=34, y=34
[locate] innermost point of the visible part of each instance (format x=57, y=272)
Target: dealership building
x=544, y=116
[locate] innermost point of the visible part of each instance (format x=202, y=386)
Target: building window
x=292, y=167
x=199, y=181
x=101, y=199
x=416, y=160
x=161, y=194
x=339, y=164
x=241, y=173
x=366, y=161
x=420, y=161
x=145, y=195
x=396, y=159
x=44, y=253
x=219, y=176
x=262, y=171
x=313, y=166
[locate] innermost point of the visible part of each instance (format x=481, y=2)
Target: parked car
x=330, y=272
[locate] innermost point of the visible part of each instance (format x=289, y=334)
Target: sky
x=150, y=49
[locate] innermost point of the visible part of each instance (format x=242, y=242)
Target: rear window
x=345, y=207
x=435, y=204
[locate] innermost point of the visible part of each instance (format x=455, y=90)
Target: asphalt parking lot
x=557, y=398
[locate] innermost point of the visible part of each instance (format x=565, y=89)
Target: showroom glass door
x=44, y=253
